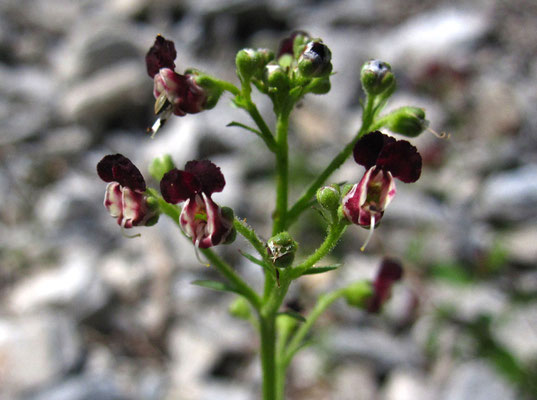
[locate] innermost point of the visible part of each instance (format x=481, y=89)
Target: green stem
x=267, y=325
x=250, y=235
x=225, y=85
x=282, y=172
x=297, y=341
x=304, y=200
x=334, y=234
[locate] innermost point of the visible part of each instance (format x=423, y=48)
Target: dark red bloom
x=161, y=55
x=384, y=158
x=201, y=218
x=390, y=272
x=124, y=197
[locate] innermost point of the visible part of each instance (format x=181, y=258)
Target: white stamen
x=196, y=250
x=125, y=233
x=370, y=235
x=159, y=123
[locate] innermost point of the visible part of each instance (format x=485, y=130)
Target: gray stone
x=476, y=381
x=511, y=195
x=520, y=244
x=407, y=385
x=354, y=382
x=74, y=286
x=382, y=349
x=90, y=387
x=36, y=350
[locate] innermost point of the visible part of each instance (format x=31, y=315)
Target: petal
x=112, y=200
x=218, y=228
x=161, y=55
x=187, y=219
x=177, y=186
x=390, y=272
x=402, y=160
x=208, y=174
x=117, y=168
x=286, y=45
x=368, y=148
x=390, y=269
x=135, y=208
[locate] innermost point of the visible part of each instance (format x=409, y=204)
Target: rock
x=383, y=350
x=74, y=286
x=83, y=387
x=108, y=93
x=36, y=350
x=354, y=382
x=520, y=244
x=510, y=196
x=407, y=385
x=476, y=381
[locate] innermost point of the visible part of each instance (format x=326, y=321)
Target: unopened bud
x=160, y=165
x=407, y=121
x=319, y=85
x=315, y=61
x=250, y=63
x=377, y=78
x=329, y=197
x=209, y=86
x=240, y=308
x=282, y=248
x=358, y=293
x=276, y=77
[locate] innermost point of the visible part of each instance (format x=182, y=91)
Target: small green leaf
x=214, y=285
x=248, y=128
x=293, y=314
x=320, y=270
x=252, y=259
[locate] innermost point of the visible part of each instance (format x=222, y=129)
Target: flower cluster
x=385, y=159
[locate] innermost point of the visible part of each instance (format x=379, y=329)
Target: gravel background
x=88, y=314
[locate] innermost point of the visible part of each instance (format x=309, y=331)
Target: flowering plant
x=301, y=66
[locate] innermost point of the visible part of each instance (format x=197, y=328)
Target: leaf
x=293, y=314
x=214, y=285
x=248, y=128
x=320, y=270
x=252, y=259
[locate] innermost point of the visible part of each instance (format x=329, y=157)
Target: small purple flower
x=124, y=197
x=384, y=158
x=174, y=93
x=390, y=272
x=201, y=218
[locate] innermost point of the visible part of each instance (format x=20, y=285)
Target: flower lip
x=118, y=168
x=397, y=156
x=161, y=55
x=198, y=177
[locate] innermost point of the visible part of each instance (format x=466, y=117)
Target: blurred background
x=86, y=313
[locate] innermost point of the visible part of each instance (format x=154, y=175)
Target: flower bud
x=250, y=62
x=240, y=308
x=282, y=248
x=276, y=77
x=329, y=197
x=377, y=78
x=407, y=121
x=319, y=85
x=315, y=61
x=160, y=165
x=358, y=293
x=210, y=87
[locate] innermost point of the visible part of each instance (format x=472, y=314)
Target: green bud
x=299, y=43
x=240, y=308
x=319, y=85
x=285, y=323
x=160, y=165
x=211, y=87
x=276, y=77
x=377, y=78
x=315, y=60
x=229, y=215
x=250, y=62
x=357, y=293
x=329, y=198
x=282, y=248
x=407, y=121
x=152, y=221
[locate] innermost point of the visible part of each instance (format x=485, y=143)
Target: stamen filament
x=370, y=235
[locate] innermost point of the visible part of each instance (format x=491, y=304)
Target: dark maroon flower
x=390, y=272
x=384, y=158
x=174, y=93
x=124, y=197
x=201, y=218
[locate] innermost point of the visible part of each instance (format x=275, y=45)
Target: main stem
x=267, y=327
x=282, y=172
